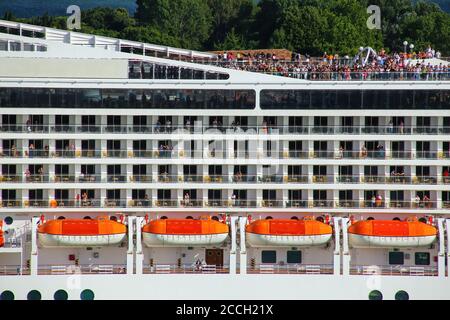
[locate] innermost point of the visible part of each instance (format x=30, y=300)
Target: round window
x=375, y=295
x=60, y=295
x=8, y=220
x=34, y=295
x=402, y=295
x=7, y=295
x=87, y=294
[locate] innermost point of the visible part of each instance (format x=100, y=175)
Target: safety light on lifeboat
x=327, y=219
x=430, y=220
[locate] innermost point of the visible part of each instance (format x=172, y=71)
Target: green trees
x=305, y=26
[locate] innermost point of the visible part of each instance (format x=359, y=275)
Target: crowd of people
x=379, y=65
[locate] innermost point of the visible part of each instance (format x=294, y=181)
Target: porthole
x=34, y=295
x=396, y=219
x=320, y=219
x=423, y=220
x=370, y=218
x=294, y=218
x=9, y=220
x=189, y=217
x=375, y=295
x=61, y=218
x=269, y=218
x=402, y=295
x=215, y=218
x=87, y=294
x=113, y=218
x=60, y=295
x=7, y=295
x=87, y=218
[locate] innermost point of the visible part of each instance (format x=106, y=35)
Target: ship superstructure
x=128, y=172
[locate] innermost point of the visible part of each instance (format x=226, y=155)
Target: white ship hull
x=165, y=240
x=261, y=240
x=51, y=240
x=361, y=241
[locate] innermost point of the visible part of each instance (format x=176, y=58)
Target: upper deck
x=124, y=59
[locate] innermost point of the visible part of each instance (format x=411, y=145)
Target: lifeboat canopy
x=391, y=233
x=288, y=232
x=184, y=232
x=81, y=232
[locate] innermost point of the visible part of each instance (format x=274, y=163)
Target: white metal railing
x=291, y=269
x=394, y=270
x=185, y=269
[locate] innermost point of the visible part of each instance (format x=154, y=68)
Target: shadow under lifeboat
x=288, y=232
x=184, y=232
x=81, y=232
x=391, y=233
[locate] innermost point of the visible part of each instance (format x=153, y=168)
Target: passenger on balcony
x=417, y=201
x=146, y=201
x=28, y=125
x=31, y=150
x=373, y=201
x=380, y=151
x=27, y=175
x=379, y=201
x=401, y=127
x=341, y=152
x=158, y=126
x=390, y=128
x=187, y=198
x=426, y=202
x=363, y=152
x=233, y=200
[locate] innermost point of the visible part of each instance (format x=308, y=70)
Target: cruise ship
x=138, y=171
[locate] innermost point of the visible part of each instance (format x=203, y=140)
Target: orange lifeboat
x=81, y=232
x=391, y=233
x=2, y=239
x=184, y=232
x=287, y=232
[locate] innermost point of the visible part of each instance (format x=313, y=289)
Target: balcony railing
x=394, y=270
x=230, y=129
x=82, y=269
x=224, y=203
x=37, y=178
x=185, y=269
x=225, y=154
x=291, y=269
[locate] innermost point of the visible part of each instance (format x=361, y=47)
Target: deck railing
x=394, y=270
x=230, y=129
x=291, y=269
x=185, y=269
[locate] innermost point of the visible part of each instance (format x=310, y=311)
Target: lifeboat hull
x=263, y=240
x=53, y=240
x=365, y=241
x=177, y=240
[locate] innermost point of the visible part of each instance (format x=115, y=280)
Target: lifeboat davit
x=288, y=232
x=81, y=232
x=391, y=233
x=184, y=232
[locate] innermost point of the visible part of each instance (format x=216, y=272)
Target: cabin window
x=34, y=295
x=375, y=295
x=7, y=295
x=422, y=258
x=60, y=295
x=9, y=220
x=268, y=256
x=396, y=257
x=294, y=256
x=402, y=295
x=87, y=294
